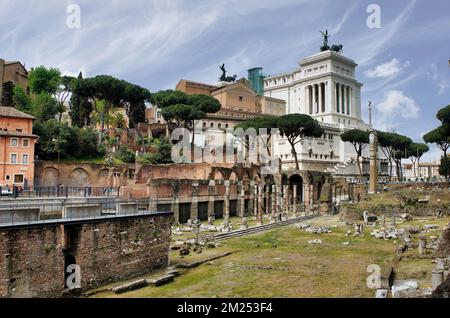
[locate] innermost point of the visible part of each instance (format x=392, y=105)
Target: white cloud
x=396, y=104
x=440, y=80
x=388, y=69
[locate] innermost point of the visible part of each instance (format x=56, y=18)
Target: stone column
x=242, y=200
x=336, y=98
x=176, y=210
x=211, y=197
x=286, y=201
x=294, y=203
x=307, y=100
x=311, y=200
x=194, y=204
x=274, y=202
x=251, y=197
x=227, y=205
x=279, y=198
x=267, y=199
x=319, y=110
x=342, y=99
x=260, y=204
x=350, y=108
x=373, y=180
x=314, y=101
x=307, y=197
x=256, y=201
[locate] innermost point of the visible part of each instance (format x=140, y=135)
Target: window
x=158, y=115
x=18, y=178
x=212, y=125
x=14, y=142
x=226, y=125
x=13, y=158
x=8, y=177
x=241, y=99
x=26, y=143
x=19, y=130
x=25, y=158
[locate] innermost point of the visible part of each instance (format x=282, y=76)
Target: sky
x=403, y=64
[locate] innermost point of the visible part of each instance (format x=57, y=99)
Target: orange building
x=16, y=148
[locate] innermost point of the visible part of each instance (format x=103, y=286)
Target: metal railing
x=45, y=210
x=58, y=192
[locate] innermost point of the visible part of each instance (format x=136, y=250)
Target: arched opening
x=50, y=177
x=78, y=178
x=296, y=180
x=218, y=175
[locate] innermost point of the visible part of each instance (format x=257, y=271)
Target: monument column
x=342, y=99
x=373, y=181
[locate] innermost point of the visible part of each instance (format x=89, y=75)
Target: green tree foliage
x=163, y=99
x=394, y=146
x=44, y=107
x=444, y=115
x=297, y=127
x=114, y=93
x=163, y=156
x=57, y=137
x=44, y=80
x=439, y=136
x=125, y=155
x=444, y=168
x=258, y=123
x=415, y=151
x=7, y=98
x=54, y=138
x=80, y=107
x=359, y=139
x=86, y=141
x=118, y=121
x=21, y=100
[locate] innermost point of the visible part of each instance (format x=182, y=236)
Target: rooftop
x=14, y=113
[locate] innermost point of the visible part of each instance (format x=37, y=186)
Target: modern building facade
x=17, y=143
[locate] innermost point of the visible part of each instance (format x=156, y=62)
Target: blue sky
x=403, y=65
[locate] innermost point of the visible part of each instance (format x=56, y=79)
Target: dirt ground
x=280, y=263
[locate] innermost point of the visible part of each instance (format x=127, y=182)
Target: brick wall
x=32, y=260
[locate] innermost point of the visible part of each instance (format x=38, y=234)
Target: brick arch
x=49, y=177
x=103, y=177
x=78, y=178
